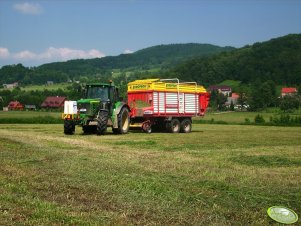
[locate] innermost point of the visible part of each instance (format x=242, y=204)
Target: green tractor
x=100, y=108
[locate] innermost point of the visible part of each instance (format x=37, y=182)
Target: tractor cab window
x=98, y=92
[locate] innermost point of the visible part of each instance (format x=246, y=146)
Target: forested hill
x=159, y=57
x=278, y=60
x=156, y=56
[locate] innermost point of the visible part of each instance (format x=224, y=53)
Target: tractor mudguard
x=118, y=107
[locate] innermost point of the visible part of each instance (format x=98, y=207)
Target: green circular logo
x=282, y=214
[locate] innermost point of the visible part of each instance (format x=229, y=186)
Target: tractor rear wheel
x=173, y=126
x=69, y=127
x=102, y=120
x=185, y=126
x=123, y=121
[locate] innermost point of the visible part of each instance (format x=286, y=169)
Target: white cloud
x=26, y=55
x=28, y=8
x=128, y=51
x=50, y=55
x=67, y=54
x=4, y=53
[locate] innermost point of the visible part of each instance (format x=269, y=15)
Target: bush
x=259, y=119
x=247, y=121
x=289, y=103
x=286, y=120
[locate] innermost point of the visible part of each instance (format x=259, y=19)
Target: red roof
x=54, y=102
x=289, y=90
x=15, y=105
x=235, y=95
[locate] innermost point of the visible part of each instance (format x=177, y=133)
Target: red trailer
x=166, y=104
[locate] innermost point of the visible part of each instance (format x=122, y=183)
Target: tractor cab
x=102, y=91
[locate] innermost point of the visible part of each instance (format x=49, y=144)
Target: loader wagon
x=165, y=104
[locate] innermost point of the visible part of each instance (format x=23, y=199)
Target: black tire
x=123, y=121
x=174, y=126
x=186, y=126
x=147, y=127
x=69, y=127
x=102, y=120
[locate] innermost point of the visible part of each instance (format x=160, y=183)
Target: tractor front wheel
x=102, y=120
x=69, y=127
x=123, y=121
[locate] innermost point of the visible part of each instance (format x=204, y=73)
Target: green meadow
x=48, y=87
x=215, y=175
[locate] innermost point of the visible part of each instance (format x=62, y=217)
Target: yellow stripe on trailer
x=172, y=85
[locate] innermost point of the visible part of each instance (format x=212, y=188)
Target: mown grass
x=216, y=175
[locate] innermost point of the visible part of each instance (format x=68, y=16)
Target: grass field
x=216, y=175
x=48, y=87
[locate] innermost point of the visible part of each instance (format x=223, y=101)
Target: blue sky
x=41, y=31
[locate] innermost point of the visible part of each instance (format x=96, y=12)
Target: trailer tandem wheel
x=173, y=126
x=185, y=125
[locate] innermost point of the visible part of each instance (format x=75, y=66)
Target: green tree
x=289, y=103
x=220, y=101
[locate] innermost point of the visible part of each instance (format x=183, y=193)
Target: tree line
x=277, y=60
x=36, y=97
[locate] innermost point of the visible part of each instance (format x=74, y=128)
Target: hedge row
x=282, y=120
x=33, y=120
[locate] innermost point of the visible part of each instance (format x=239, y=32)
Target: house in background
x=15, y=105
x=226, y=90
x=49, y=83
x=288, y=91
x=234, y=99
x=30, y=107
x=54, y=102
x=11, y=86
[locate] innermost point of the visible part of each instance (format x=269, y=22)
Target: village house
x=226, y=90
x=11, y=86
x=15, y=105
x=49, y=83
x=234, y=99
x=30, y=107
x=288, y=91
x=54, y=102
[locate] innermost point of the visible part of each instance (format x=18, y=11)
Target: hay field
x=216, y=175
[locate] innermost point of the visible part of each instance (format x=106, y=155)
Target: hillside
x=277, y=60
x=149, y=57
x=161, y=56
